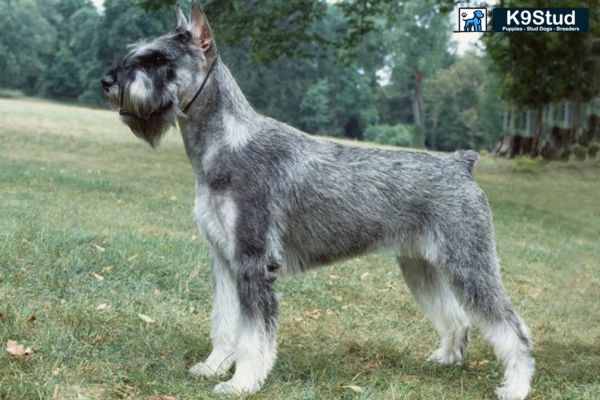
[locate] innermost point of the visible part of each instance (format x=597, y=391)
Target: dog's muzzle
x=123, y=112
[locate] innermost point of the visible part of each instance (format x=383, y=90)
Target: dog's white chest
x=216, y=215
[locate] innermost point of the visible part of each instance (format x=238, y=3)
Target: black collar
x=210, y=70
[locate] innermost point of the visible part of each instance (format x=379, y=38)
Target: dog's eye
x=153, y=60
x=159, y=58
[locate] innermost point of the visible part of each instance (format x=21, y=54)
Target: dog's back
x=336, y=201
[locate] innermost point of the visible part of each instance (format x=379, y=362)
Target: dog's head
x=478, y=14
x=156, y=80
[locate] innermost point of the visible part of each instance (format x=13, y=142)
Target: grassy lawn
x=89, y=215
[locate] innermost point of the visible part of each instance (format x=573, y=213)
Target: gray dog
x=273, y=201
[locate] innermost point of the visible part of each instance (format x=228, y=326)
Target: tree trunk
x=417, y=109
x=537, y=130
x=567, y=118
x=512, y=122
x=434, y=124
x=527, y=131
x=550, y=116
x=576, y=123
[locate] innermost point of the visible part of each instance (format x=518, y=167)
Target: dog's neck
x=220, y=117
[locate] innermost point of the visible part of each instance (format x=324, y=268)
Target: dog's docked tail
x=468, y=158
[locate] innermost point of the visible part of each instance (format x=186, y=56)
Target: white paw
x=445, y=357
x=232, y=388
x=203, y=369
x=514, y=392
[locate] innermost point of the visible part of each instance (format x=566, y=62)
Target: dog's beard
x=147, y=113
x=152, y=127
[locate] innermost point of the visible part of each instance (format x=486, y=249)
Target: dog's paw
x=514, y=392
x=232, y=388
x=203, y=369
x=445, y=357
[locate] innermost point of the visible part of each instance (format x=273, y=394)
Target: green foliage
x=593, y=150
x=396, y=135
x=26, y=40
x=278, y=29
x=272, y=29
x=314, y=64
x=540, y=68
x=315, y=108
x=463, y=106
x=580, y=152
x=418, y=42
x=526, y=164
x=64, y=72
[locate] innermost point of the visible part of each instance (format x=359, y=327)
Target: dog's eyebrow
x=142, y=49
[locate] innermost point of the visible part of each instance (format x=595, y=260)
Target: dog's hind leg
x=474, y=276
x=433, y=294
x=225, y=317
x=256, y=345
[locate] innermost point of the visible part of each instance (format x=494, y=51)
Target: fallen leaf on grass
x=146, y=318
x=1, y=315
x=98, y=247
x=355, y=388
x=102, y=307
x=163, y=397
x=107, y=269
x=31, y=318
x=56, y=371
x=133, y=257
x=315, y=314
x=98, y=340
x=18, y=350
x=479, y=364
x=98, y=277
x=365, y=276
x=156, y=294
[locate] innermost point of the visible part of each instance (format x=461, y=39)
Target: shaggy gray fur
x=274, y=201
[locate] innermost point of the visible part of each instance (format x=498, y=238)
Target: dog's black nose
x=107, y=81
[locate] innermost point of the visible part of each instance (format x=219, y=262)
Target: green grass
x=74, y=182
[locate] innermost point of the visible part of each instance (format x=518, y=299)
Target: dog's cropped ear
x=182, y=24
x=199, y=28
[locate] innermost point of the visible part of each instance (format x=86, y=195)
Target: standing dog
x=273, y=201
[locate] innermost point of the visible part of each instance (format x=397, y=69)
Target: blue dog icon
x=474, y=24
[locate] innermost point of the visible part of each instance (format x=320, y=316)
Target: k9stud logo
x=540, y=19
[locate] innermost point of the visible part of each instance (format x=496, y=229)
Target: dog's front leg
x=256, y=345
x=225, y=315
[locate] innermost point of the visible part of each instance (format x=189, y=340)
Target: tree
x=279, y=87
x=315, y=108
x=63, y=82
x=278, y=29
x=418, y=44
x=123, y=24
x=27, y=38
x=463, y=105
x=540, y=68
x=74, y=59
